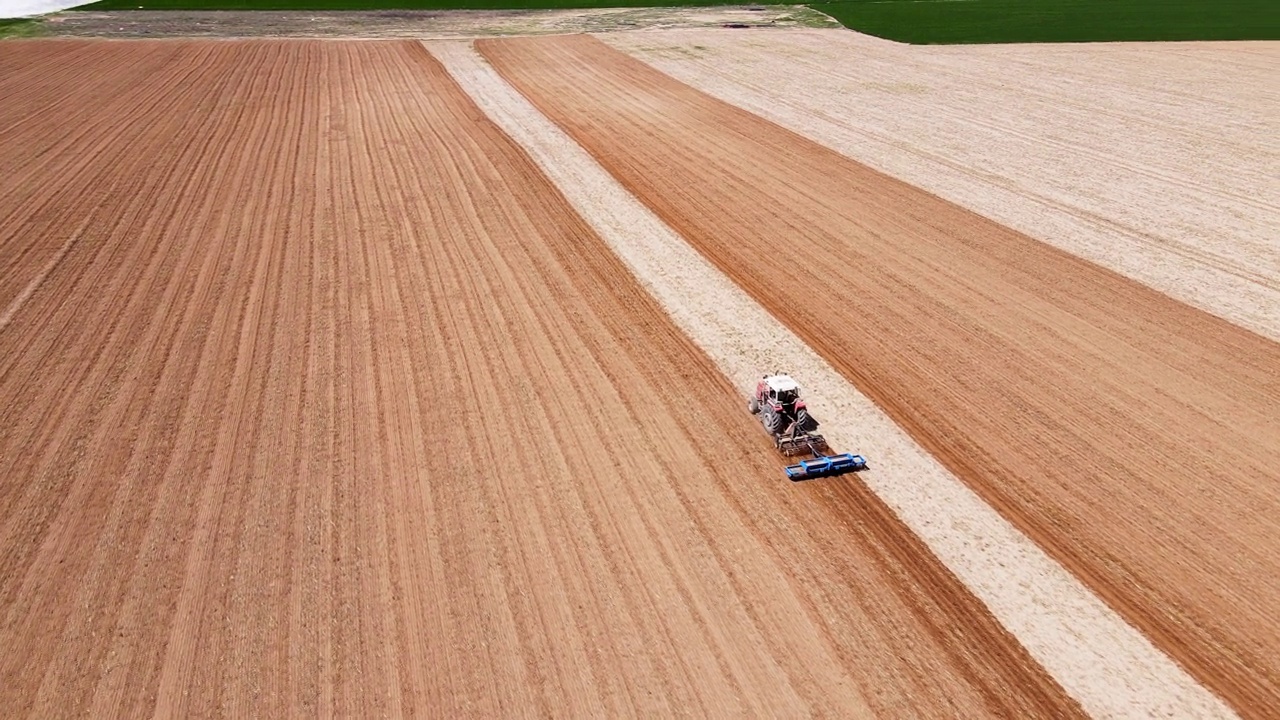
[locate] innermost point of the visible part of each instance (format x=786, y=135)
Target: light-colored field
x=317, y=398
x=1133, y=437
x=1156, y=160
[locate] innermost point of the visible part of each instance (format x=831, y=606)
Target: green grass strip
x=1019, y=21
x=19, y=27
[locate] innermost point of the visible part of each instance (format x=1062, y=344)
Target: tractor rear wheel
x=805, y=422
x=774, y=422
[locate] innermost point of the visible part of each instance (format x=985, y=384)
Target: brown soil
x=1108, y=666
x=317, y=398
x=1156, y=160
x=1134, y=437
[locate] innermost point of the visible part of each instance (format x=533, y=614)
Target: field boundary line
x=21, y=298
x=1108, y=666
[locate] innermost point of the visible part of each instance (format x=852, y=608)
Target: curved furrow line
x=100, y=271
x=29, y=233
x=227, y=508
x=148, y=349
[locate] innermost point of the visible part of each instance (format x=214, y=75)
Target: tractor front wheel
x=753, y=405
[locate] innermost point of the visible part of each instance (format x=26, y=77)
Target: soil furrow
x=1151, y=159
x=1077, y=402
x=343, y=410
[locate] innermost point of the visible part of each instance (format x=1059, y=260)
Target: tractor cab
x=786, y=418
x=779, y=390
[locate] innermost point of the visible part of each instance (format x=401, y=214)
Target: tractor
x=786, y=418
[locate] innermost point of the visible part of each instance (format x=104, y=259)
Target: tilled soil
x=1156, y=160
x=317, y=398
x=1135, y=438
x=1108, y=666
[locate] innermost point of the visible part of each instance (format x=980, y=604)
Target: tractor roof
x=782, y=382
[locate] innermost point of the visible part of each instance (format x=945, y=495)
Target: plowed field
x=1135, y=438
x=317, y=398
x=1156, y=160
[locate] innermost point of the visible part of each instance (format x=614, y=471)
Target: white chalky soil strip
x=1105, y=664
x=1156, y=160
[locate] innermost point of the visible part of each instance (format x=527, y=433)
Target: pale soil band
x=1156, y=160
x=1108, y=666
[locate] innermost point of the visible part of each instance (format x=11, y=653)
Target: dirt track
x=1134, y=437
x=316, y=397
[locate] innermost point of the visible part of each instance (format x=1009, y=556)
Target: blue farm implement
x=786, y=418
x=826, y=466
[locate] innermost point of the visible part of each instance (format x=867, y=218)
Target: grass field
x=913, y=21
x=1007, y=21
x=19, y=27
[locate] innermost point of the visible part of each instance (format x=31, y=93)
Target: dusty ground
x=317, y=398
x=1135, y=438
x=422, y=24
x=1156, y=160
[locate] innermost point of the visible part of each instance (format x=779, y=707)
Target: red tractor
x=786, y=418
x=783, y=414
